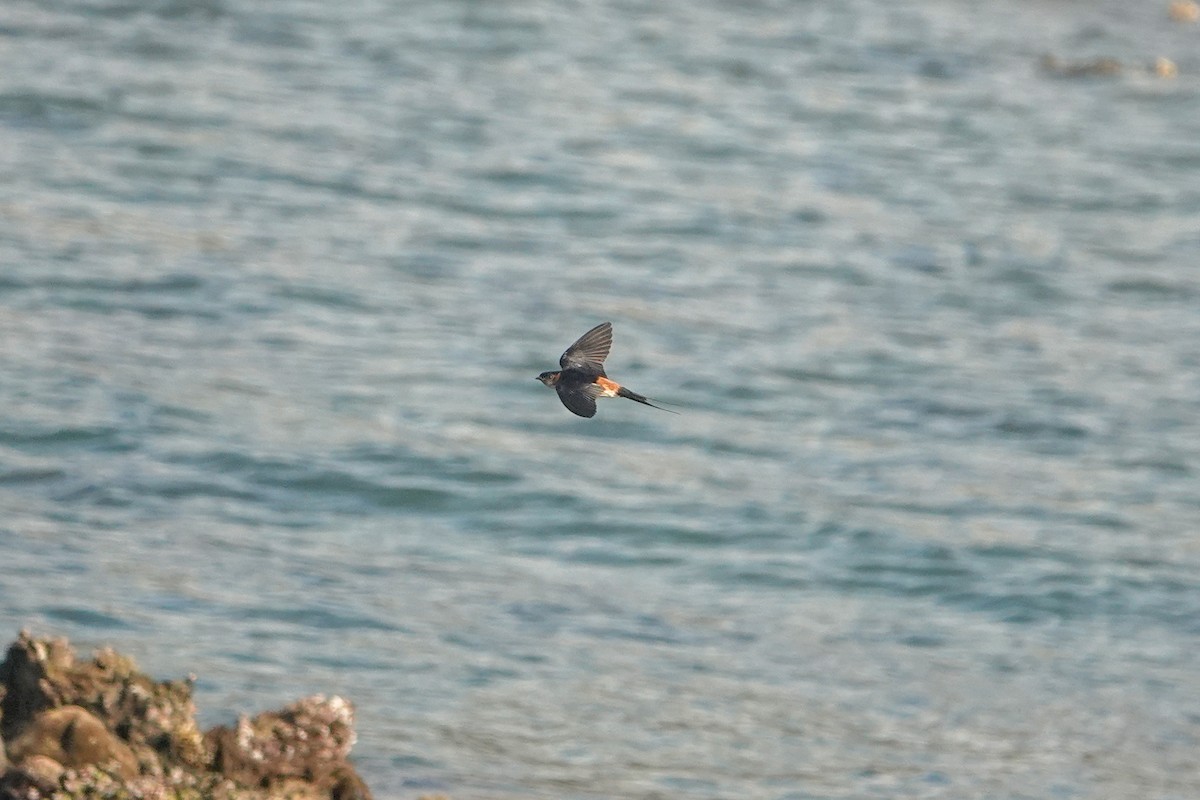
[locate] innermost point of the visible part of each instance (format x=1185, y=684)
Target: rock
x=309, y=739
x=19, y=783
x=155, y=719
x=99, y=728
x=27, y=664
x=74, y=738
x=37, y=775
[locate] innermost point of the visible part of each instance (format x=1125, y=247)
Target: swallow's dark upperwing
x=579, y=397
x=588, y=353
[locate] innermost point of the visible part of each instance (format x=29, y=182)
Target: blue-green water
x=275, y=280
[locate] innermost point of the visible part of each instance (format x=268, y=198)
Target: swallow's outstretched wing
x=578, y=399
x=588, y=354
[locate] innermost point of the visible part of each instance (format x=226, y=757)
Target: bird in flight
x=581, y=379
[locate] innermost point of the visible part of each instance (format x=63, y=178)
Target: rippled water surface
x=275, y=279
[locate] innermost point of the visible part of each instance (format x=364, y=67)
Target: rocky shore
x=73, y=728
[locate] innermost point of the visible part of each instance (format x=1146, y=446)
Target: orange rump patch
x=610, y=387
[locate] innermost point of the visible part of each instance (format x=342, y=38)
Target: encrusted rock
x=309, y=739
x=36, y=777
x=155, y=719
x=29, y=663
x=100, y=728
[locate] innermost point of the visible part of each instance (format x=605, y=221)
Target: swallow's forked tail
x=623, y=392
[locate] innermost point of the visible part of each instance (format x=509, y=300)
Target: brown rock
x=43, y=770
x=36, y=777
x=74, y=738
x=309, y=740
x=155, y=718
x=29, y=662
x=99, y=728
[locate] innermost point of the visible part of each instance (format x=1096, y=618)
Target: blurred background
x=922, y=277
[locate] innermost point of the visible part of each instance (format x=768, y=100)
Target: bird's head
x=549, y=378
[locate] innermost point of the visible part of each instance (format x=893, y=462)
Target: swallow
x=581, y=379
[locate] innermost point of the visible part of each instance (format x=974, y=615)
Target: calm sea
x=275, y=280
